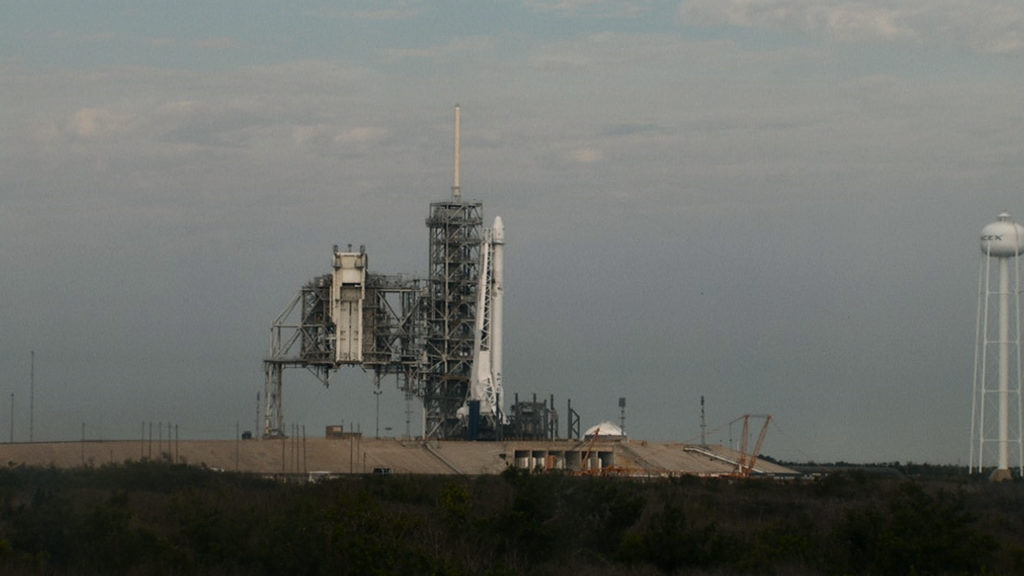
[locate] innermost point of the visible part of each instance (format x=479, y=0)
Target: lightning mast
x=456, y=188
x=456, y=242
x=462, y=380
x=32, y=397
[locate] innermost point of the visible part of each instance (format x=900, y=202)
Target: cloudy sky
x=774, y=204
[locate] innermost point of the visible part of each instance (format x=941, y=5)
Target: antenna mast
x=703, y=424
x=456, y=190
x=32, y=395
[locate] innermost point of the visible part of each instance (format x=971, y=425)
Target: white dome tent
x=605, y=428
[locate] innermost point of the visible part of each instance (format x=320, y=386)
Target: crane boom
x=746, y=461
x=760, y=440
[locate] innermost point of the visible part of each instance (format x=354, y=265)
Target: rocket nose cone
x=499, y=231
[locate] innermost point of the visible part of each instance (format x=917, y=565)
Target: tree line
x=161, y=518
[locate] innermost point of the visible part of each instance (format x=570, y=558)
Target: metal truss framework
x=310, y=333
x=456, y=234
x=430, y=335
x=997, y=411
x=394, y=314
x=422, y=332
x=302, y=336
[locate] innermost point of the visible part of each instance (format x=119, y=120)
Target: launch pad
x=441, y=336
x=311, y=458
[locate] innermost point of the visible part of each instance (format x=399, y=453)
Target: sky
x=773, y=204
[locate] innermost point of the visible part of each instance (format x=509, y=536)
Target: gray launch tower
x=456, y=240
x=456, y=229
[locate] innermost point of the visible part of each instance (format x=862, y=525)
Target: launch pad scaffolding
x=392, y=338
x=455, y=244
x=429, y=333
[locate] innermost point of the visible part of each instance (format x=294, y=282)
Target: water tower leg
x=1004, y=366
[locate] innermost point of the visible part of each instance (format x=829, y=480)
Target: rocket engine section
x=348, y=290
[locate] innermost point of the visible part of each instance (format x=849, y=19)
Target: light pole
x=377, y=392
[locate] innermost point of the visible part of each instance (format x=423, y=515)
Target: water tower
x=996, y=402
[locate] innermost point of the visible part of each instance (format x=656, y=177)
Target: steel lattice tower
x=456, y=233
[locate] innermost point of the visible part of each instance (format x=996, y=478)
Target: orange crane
x=584, y=471
x=746, y=462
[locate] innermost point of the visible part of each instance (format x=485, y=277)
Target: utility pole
x=408, y=414
x=703, y=424
x=377, y=392
x=32, y=396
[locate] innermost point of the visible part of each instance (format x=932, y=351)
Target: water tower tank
x=1003, y=238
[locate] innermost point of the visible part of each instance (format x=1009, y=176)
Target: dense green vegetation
x=157, y=518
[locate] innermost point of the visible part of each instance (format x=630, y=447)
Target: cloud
x=323, y=134
x=94, y=123
x=219, y=43
x=386, y=14
x=458, y=46
x=597, y=53
x=82, y=38
x=362, y=134
x=605, y=8
x=587, y=155
x=304, y=134
x=850, y=20
x=398, y=11
x=985, y=26
x=559, y=5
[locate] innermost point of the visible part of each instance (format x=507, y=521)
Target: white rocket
x=485, y=384
x=486, y=380
x=497, y=295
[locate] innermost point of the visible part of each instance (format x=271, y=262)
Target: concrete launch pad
x=353, y=454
